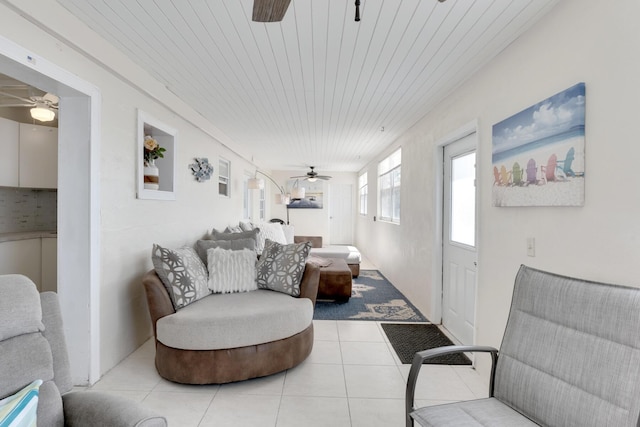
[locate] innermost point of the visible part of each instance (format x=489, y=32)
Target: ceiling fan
x=313, y=176
x=269, y=10
x=43, y=108
x=274, y=10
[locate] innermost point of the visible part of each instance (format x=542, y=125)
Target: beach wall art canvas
x=313, y=197
x=538, y=154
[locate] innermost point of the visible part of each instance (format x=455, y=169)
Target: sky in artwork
x=555, y=115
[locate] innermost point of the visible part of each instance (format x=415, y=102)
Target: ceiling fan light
x=312, y=179
x=42, y=114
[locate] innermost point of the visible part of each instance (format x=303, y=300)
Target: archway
x=78, y=201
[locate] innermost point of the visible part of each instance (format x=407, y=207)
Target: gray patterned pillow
x=281, y=267
x=217, y=235
x=235, y=245
x=182, y=273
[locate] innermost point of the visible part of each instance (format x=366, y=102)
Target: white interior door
x=459, y=257
x=341, y=214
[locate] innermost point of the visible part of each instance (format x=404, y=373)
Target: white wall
x=130, y=226
x=578, y=41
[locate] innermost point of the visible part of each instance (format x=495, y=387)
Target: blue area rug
x=373, y=297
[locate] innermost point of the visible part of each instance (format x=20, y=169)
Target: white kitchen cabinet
x=22, y=257
x=38, y=156
x=10, y=148
x=49, y=258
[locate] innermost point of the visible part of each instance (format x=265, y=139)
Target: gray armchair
x=570, y=356
x=32, y=346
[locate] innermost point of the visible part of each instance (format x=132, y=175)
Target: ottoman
x=335, y=280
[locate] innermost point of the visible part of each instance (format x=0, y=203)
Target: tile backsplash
x=24, y=209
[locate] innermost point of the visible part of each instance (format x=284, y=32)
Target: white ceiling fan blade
x=10, y=95
x=269, y=10
x=49, y=97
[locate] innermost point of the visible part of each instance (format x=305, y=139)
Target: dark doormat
x=408, y=339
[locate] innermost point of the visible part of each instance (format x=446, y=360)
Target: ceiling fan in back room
x=312, y=176
x=274, y=10
x=43, y=108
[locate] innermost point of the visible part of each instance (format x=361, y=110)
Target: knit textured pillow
x=232, y=271
x=182, y=273
x=281, y=267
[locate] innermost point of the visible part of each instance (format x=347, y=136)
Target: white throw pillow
x=232, y=271
x=272, y=231
x=289, y=232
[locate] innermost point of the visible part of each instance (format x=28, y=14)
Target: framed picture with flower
x=156, y=159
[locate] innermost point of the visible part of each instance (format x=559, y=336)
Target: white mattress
x=350, y=253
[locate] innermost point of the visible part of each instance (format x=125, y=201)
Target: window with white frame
x=389, y=187
x=246, y=197
x=224, y=174
x=262, y=206
x=363, y=191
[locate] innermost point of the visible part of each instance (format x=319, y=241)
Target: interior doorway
x=78, y=201
x=459, y=257
x=341, y=214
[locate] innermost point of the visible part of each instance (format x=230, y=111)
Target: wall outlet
x=531, y=246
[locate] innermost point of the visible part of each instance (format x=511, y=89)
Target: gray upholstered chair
x=32, y=347
x=570, y=356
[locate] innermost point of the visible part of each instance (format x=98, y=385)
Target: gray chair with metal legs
x=570, y=356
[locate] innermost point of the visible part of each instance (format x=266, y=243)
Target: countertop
x=24, y=235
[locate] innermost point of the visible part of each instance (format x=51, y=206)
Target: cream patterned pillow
x=281, y=267
x=182, y=273
x=232, y=271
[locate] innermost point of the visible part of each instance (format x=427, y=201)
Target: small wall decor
x=201, y=169
x=538, y=154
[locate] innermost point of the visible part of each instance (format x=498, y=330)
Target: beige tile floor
x=352, y=378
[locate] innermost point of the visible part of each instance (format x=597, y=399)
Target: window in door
x=463, y=199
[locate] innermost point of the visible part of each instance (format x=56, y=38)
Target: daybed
x=230, y=337
x=350, y=254
x=569, y=357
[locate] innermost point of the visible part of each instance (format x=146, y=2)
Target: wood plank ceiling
x=317, y=88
